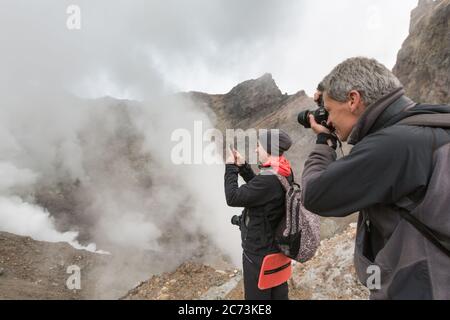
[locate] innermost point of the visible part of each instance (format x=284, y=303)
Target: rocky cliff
x=423, y=63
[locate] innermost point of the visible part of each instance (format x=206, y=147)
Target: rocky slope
x=32, y=269
x=423, y=63
x=329, y=275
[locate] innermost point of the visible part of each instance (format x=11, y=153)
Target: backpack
x=298, y=234
x=406, y=205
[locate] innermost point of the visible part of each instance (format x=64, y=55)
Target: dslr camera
x=320, y=115
x=236, y=220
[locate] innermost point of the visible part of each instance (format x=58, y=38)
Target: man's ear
x=355, y=102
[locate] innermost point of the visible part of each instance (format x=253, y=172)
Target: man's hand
x=317, y=128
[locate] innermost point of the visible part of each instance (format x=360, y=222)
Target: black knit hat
x=276, y=142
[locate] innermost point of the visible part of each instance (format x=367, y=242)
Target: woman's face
x=262, y=154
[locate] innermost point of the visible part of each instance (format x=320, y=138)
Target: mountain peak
x=265, y=77
x=255, y=95
x=262, y=85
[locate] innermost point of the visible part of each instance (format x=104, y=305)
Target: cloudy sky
x=134, y=48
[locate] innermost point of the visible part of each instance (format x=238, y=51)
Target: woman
x=263, y=198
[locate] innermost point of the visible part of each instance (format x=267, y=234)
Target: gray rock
x=424, y=60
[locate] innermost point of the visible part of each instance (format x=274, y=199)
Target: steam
x=23, y=218
x=104, y=172
x=99, y=171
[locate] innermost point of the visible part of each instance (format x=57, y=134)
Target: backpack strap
x=441, y=241
x=284, y=182
x=440, y=120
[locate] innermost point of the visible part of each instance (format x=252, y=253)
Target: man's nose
x=330, y=124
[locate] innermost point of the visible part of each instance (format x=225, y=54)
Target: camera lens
x=320, y=115
x=303, y=119
x=236, y=220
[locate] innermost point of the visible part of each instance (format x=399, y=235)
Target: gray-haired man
x=397, y=176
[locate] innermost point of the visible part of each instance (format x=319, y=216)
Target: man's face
x=344, y=115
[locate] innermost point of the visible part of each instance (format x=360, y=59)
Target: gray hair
x=367, y=76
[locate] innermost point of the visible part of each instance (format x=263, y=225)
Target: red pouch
x=276, y=269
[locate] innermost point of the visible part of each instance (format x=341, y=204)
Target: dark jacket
x=389, y=163
x=263, y=198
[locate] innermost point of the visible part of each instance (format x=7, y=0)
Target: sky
x=136, y=48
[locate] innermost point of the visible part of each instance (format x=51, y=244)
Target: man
x=394, y=172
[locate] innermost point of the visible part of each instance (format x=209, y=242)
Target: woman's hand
x=235, y=158
x=240, y=161
x=231, y=159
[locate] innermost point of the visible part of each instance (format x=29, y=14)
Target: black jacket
x=388, y=164
x=263, y=198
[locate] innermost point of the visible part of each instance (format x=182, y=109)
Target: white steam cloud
x=26, y=219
